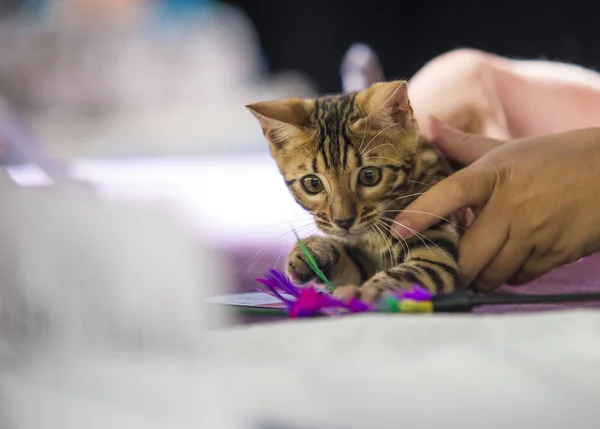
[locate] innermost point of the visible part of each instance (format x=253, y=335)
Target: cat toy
x=309, y=301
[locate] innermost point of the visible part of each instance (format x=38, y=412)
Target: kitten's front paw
x=370, y=291
x=346, y=293
x=324, y=251
x=381, y=282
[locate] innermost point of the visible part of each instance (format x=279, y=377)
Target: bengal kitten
x=354, y=161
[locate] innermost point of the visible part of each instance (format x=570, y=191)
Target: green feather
x=312, y=263
x=388, y=304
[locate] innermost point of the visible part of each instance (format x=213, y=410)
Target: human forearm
x=502, y=98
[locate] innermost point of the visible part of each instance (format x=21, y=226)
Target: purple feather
x=417, y=293
x=307, y=301
x=357, y=306
x=311, y=302
x=276, y=280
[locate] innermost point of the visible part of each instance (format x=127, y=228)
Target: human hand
x=536, y=200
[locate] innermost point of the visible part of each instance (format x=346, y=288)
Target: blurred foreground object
x=79, y=271
x=88, y=286
x=106, y=78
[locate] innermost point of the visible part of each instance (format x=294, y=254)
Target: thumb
x=469, y=187
x=465, y=148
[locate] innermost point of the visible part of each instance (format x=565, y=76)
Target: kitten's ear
x=281, y=120
x=387, y=104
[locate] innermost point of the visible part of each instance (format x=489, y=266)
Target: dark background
x=312, y=35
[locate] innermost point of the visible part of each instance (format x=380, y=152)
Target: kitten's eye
x=369, y=176
x=312, y=184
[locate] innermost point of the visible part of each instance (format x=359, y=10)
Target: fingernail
x=403, y=228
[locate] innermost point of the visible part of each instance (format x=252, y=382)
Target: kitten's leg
x=332, y=259
x=431, y=262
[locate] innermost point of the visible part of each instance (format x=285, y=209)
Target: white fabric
x=128, y=349
x=77, y=270
x=365, y=372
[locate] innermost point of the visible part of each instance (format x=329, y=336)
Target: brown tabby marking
x=354, y=161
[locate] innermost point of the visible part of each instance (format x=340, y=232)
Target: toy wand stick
x=465, y=301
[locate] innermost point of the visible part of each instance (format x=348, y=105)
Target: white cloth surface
x=509, y=371
x=538, y=371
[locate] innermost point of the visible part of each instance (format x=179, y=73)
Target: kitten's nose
x=346, y=222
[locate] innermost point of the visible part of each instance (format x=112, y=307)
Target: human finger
x=481, y=244
x=460, y=146
x=465, y=188
x=506, y=264
x=534, y=268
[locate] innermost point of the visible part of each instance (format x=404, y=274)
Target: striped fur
x=330, y=150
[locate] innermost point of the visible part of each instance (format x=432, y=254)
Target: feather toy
x=308, y=301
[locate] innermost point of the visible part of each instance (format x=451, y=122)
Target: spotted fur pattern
x=354, y=161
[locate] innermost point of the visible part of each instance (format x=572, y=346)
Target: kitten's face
x=346, y=158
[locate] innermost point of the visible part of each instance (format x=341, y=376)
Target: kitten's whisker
x=383, y=249
x=259, y=255
x=277, y=261
x=373, y=139
x=419, y=235
x=305, y=219
x=304, y=234
x=390, y=245
x=309, y=233
x=420, y=183
x=403, y=242
x=392, y=252
x=255, y=259
x=297, y=229
x=385, y=244
x=382, y=157
x=378, y=146
x=309, y=138
x=369, y=238
x=379, y=109
x=364, y=135
x=430, y=214
x=308, y=158
x=302, y=144
x=379, y=244
x=410, y=195
x=393, y=259
x=254, y=255
x=419, y=186
x=387, y=227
